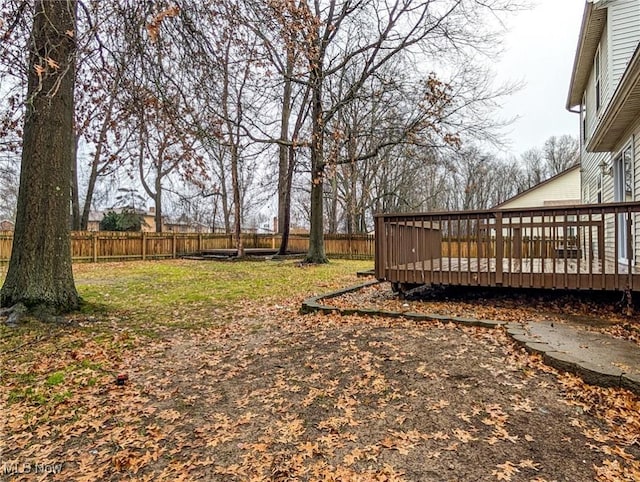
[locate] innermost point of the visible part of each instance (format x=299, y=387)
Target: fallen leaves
x=272, y=395
x=505, y=471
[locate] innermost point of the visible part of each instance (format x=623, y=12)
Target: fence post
x=94, y=246
x=199, y=243
x=143, y=239
x=173, y=245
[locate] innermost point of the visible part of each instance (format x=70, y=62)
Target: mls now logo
x=15, y=468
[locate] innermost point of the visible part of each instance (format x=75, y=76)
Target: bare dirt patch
x=331, y=398
x=274, y=395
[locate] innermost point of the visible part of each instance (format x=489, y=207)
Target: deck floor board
x=534, y=266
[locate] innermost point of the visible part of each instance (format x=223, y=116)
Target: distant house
x=185, y=225
x=605, y=90
x=563, y=189
x=93, y=224
x=148, y=225
x=6, y=225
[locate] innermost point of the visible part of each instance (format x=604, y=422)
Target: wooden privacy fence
x=111, y=246
x=566, y=247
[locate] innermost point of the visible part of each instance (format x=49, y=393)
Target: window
x=623, y=176
x=628, y=173
x=597, y=79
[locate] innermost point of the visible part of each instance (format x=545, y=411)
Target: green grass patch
x=55, y=379
x=182, y=294
x=125, y=305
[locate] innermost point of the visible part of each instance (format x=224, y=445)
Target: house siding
x=631, y=138
x=636, y=191
x=606, y=85
x=593, y=114
x=623, y=22
x=565, y=189
x=619, y=41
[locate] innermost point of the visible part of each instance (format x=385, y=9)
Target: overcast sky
x=539, y=50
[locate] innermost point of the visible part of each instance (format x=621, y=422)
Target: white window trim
x=584, y=125
x=597, y=83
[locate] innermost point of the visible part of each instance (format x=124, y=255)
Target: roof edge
x=593, y=23
x=630, y=80
x=532, y=188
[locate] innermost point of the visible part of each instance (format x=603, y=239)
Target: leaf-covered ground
x=602, y=312
x=227, y=381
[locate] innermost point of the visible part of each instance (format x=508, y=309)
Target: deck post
x=380, y=247
x=629, y=250
x=499, y=248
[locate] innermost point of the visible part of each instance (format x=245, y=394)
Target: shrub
x=125, y=220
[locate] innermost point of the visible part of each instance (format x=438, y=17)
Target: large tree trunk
x=40, y=274
x=286, y=226
x=316, y=253
x=283, y=161
x=285, y=223
x=237, y=201
x=285, y=165
x=226, y=210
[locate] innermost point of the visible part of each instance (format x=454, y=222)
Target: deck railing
x=560, y=247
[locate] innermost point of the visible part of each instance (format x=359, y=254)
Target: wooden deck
x=573, y=247
x=527, y=273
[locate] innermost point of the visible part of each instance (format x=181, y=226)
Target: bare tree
x=100, y=118
x=556, y=155
x=560, y=153
x=534, y=168
x=362, y=37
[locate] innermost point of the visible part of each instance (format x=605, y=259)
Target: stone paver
x=597, y=357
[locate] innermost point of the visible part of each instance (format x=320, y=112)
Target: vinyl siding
x=593, y=114
x=636, y=192
x=632, y=138
x=619, y=41
x=564, y=189
x=624, y=27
